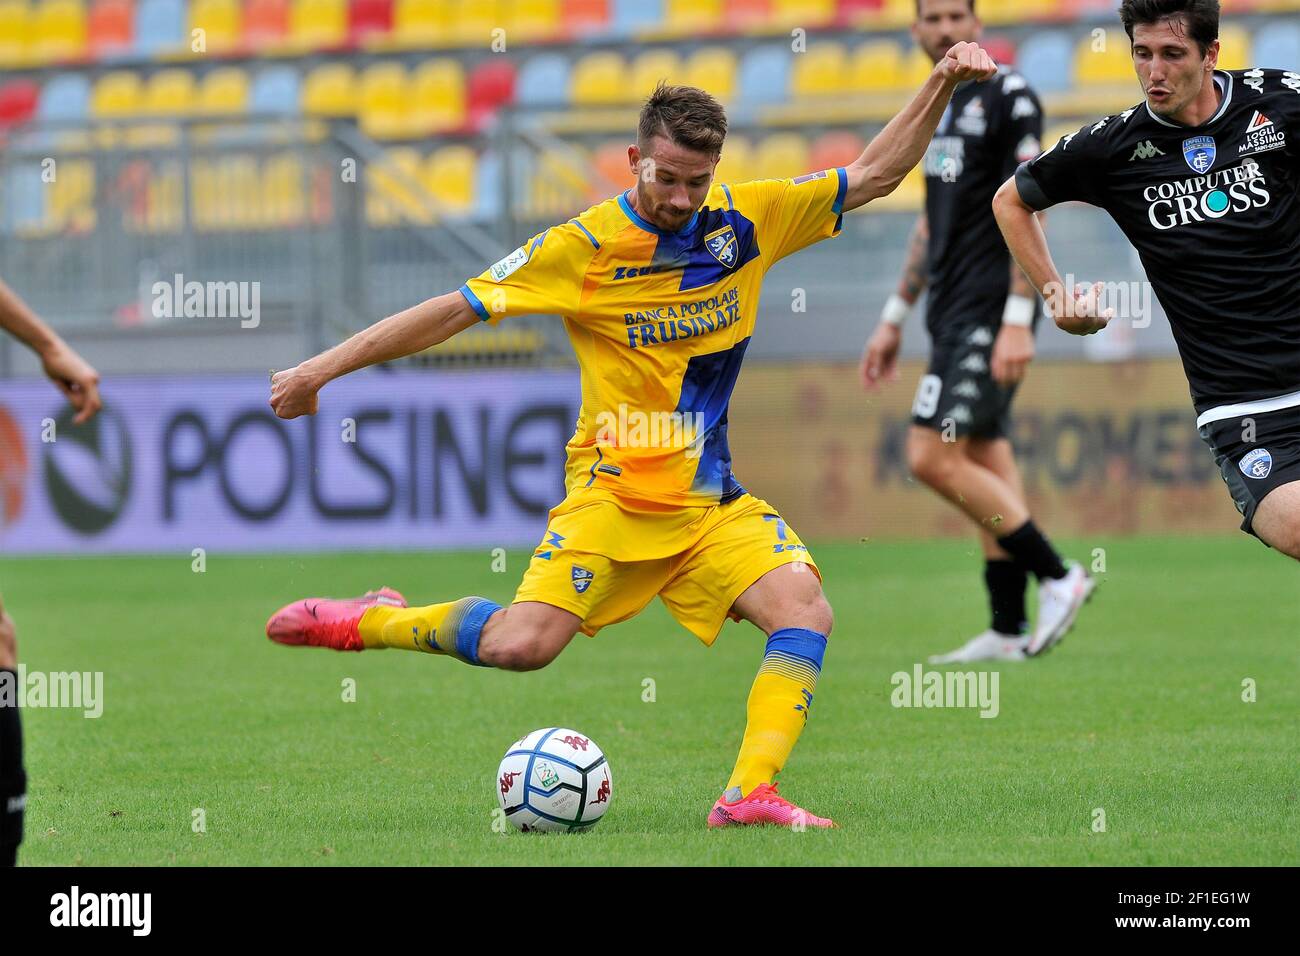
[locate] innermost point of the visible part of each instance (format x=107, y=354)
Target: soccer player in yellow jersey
x=658, y=289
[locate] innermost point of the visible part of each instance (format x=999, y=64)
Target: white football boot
x=989, y=646
x=1058, y=605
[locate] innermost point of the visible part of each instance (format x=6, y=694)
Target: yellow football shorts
x=604, y=559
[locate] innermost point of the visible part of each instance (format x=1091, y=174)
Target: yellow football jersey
x=660, y=322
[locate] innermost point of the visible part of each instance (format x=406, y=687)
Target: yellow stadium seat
x=821, y=71
x=58, y=30
x=438, y=97
x=474, y=21
x=71, y=206
x=802, y=13
x=598, y=79
x=1235, y=50
x=117, y=94
x=712, y=68
x=908, y=197
x=422, y=23
x=449, y=175
x=221, y=22
x=559, y=186
x=317, y=24
x=877, y=67
x=648, y=69
x=393, y=188
x=283, y=196
x=683, y=17
x=735, y=165
x=900, y=13
x=330, y=90
x=1017, y=11
x=169, y=93
x=781, y=155
x=224, y=92
x=16, y=25
x=917, y=68
x=385, y=101
x=1108, y=63
x=532, y=20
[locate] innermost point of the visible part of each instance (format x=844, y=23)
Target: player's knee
x=524, y=653
x=930, y=464
x=811, y=611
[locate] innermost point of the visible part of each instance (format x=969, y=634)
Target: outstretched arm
x=294, y=391
x=68, y=370
x=901, y=145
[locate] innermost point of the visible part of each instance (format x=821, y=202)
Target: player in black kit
x=980, y=314
x=1204, y=179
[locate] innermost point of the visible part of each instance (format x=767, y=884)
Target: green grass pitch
x=1139, y=713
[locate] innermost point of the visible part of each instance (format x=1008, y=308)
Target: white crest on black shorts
x=1257, y=464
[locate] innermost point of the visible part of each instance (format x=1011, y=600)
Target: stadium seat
x=276, y=91
x=24, y=199
x=221, y=22
x=159, y=27
x=266, y=23
x=609, y=160
x=684, y=17
x=65, y=98
x=735, y=164
x=781, y=155
x=648, y=69
x=599, y=79
x=223, y=92
x=821, y=71
x=18, y=99
x=369, y=20
x=1277, y=46
x=875, y=67
x=438, y=93
x=116, y=94
x=765, y=75
x=713, y=68
x=543, y=80
x=330, y=90
x=421, y=23
x=392, y=188
x=628, y=17
x=109, y=28
x=1045, y=61
x=169, y=93
x=16, y=26
x=385, y=101
x=317, y=24
x=747, y=15
x=1110, y=65
x=449, y=176
x=535, y=20
x=474, y=22
x=586, y=17
x=59, y=31
x=283, y=191
x=487, y=187
x=1236, y=48
x=491, y=84
x=836, y=148
x=809, y=14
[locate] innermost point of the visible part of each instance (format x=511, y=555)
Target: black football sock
x=13, y=780
x=1028, y=546
x=1006, y=582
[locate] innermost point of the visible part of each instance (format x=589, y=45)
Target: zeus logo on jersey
x=1238, y=190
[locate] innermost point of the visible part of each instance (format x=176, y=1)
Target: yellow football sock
x=452, y=628
x=778, y=707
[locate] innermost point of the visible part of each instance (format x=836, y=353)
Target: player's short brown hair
x=921, y=3
x=687, y=116
x=1200, y=16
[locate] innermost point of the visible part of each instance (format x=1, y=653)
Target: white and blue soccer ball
x=554, y=779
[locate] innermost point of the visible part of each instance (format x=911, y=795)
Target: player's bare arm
x=901, y=145
x=294, y=391
x=1077, y=312
x=1014, y=348
x=69, y=371
x=880, y=357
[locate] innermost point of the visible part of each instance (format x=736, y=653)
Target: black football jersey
x=987, y=131
x=1214, y=213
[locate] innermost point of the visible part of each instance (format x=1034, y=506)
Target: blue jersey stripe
x=473, y=300
x=584, y=229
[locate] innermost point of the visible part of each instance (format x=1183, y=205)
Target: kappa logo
x=1024, y=106
x=966, y=389
x=1147, y=150
x=959, y=414
x=508, y=781
x=1200, y=151
x=602, y=792
x=722, y=246
x=1028, y=148
x=1257, y=464
x=980, y=336
x=582, y=579
x=1254, y=79
x=576, y=742
x=974, y=363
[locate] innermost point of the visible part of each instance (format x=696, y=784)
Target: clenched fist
x=967, y=61
x=294, y=392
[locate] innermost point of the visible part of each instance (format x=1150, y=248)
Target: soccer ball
x=554, y=779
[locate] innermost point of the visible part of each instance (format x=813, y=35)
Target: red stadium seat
x=369, y=19
x=266, y=22
x=18, y=101
x=746, y=14
x=1002, y=49
x=586, y=16
x=491, y=84
x=110, y=27
x=835, y=149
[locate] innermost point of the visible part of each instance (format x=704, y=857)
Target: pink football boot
x=324, y=622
